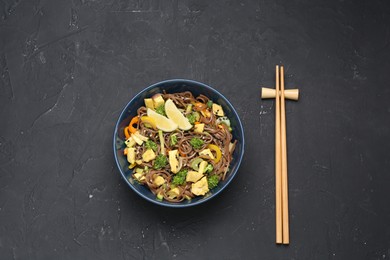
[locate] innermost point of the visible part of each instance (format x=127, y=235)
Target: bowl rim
x=178, y=205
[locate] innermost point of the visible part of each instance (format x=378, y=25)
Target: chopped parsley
x=196, y=142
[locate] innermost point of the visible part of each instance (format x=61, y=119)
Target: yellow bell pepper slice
x=149, y=120
x=133, y=121
x=131, y=166
x=126, y=131
x=217, y=151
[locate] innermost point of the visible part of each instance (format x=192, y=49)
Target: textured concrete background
x=68, y=68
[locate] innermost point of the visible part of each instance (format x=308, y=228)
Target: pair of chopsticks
x=281, y=180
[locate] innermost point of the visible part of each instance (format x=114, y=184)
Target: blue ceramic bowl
x=173, y=86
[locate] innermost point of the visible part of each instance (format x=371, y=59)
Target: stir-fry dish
x=179, y=146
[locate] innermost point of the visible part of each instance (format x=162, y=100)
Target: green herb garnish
x=160, y=162
x=212, y=181
x=209, y=168
x=191, y=118
x=180, y=177
x=196, y=142
x=209, y=104
x=173, y=139
x=149, y=144
x=161, y=110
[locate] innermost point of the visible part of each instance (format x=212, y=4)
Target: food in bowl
x=179, y=146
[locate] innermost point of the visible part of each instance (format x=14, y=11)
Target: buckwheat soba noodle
x=178, y=145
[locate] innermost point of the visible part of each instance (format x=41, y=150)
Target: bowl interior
x=173, y=86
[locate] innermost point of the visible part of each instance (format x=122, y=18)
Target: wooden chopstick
x=278, y=163
x=285, y=224
x=281, y=177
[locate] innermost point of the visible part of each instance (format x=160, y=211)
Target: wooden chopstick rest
x=292, y=94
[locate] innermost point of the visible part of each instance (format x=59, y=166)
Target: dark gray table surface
x=68, y=68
